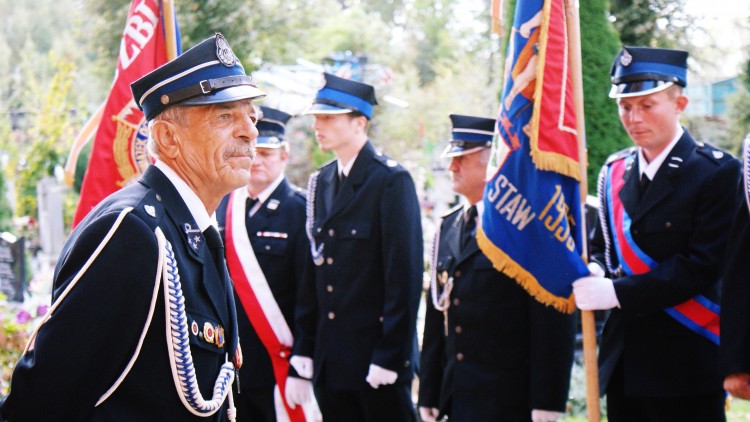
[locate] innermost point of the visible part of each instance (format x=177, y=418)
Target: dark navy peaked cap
x=643, y=70
x=208, y=73
x=271, y=127
x=340, y=96
x=469, y=134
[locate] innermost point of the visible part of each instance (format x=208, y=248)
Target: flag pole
x=170, y=35
x=587, y=317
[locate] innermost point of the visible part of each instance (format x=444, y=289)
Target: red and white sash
x=256, y=297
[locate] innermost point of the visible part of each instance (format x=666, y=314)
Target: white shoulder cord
x=316, y=251
x=97, y=251
x=443, y=301
x=178, y=341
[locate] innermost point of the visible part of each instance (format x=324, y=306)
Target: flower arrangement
x=17, y=321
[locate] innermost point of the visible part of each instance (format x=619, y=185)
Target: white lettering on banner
x=512, y=204
x=139, y=30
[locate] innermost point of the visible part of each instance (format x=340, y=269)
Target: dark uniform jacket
x=505, y=353
x=83, y=349
x=682, y=222
x=284, y=261
x=362, y=308
x=735, y=298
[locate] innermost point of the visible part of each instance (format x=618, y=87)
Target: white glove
x=546, y=415
x=378, y=376
x=303, y=365
x=428, y=414
x=298, y=391
x=595, y=293
x=595, y=269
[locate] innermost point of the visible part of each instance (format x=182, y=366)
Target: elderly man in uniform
x=267, y=254
x=666, y=210
x=143, y=324
x=490, y=351
x=356, y=322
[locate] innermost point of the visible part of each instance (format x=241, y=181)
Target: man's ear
x=166, y=137
x=682, y=102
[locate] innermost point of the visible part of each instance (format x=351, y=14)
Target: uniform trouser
x=255, y=405
x=390, y=403
x=693, y=408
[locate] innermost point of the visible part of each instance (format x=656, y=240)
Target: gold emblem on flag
x=129, y=147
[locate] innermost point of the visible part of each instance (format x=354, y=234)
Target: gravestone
x=12, y=267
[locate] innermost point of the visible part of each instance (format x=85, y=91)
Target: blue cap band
x=345, y=100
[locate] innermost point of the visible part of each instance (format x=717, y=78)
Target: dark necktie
x=470, y=225
x=249, y=204
x=216, y=247
x=339, y=181
x=643, y=186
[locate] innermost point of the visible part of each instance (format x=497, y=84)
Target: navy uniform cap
x=271, y=127
x=340, y=96
x=208, y=73
x=644, y=70
x=469, y=134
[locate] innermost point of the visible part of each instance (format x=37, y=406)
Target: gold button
x=329, y=261
x=331, y=315
x=329, y=288
x=331, y=232
x=459, y=356
x=458, y=329
x=456, y=302
x=457, y=274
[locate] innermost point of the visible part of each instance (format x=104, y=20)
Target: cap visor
x=455, y=151
x=318, y=108
x=227, y=95
x=635, y=89
x=270, y=142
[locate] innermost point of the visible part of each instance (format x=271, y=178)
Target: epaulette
x=150, y=209
x=714, y=154
x=327, y=163
x=453, y=210
x=619, y=155
x=299, y=192
x=386, y=160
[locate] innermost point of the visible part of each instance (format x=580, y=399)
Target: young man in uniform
x=665, y=214
x=356, y=322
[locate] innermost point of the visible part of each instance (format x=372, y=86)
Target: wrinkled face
x=217, y=144
x=469, y=172
x=651, y=120
x=334, y=131
x=268, y=165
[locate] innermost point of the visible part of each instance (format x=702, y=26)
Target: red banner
x=119, y=153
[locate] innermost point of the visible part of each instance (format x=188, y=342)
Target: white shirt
x=345, y=169
x=195, y=205
x=651, y=168
x=265, y=193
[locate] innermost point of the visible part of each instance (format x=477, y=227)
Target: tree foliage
x=599, y=45
x=651, y=23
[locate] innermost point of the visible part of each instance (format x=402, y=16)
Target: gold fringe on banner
x=503, y=263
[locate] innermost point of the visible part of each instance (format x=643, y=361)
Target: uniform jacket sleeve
x=735, y=302
x=432, y=357
x=85, y=346
x=402, y=268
